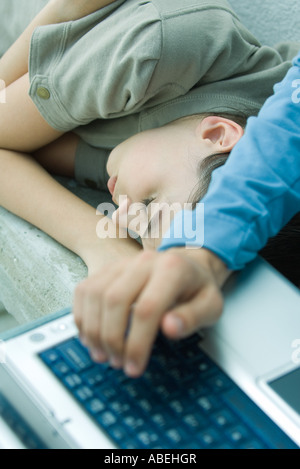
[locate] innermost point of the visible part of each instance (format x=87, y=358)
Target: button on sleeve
x=43, y=93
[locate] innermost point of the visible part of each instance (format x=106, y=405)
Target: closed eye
x=147, y=202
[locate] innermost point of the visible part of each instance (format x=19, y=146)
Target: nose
x=111, y=185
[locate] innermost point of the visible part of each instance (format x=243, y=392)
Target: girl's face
x=157, y=167
x=156, y=164
x=153, y=167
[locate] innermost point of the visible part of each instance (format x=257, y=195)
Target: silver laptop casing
x=253, y=343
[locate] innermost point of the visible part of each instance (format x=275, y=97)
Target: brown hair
x=283, y=250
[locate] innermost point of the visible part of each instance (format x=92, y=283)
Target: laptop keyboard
x=183, y=400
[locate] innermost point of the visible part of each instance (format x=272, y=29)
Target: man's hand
x=120, y=310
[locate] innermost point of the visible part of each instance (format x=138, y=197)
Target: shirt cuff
x=42, y=91
x=90, y=166
x=221, y=234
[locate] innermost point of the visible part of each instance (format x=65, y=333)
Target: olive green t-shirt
x=139, y=64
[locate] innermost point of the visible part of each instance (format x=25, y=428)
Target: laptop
x=235, y=385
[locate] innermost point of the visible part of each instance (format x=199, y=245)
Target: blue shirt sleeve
x=257, y=192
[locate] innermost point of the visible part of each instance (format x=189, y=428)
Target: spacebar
x=260, y=423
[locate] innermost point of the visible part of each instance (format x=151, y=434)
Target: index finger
x=166, y=286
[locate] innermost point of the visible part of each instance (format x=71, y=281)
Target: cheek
x=132, y=169
x=138, y=183
x=113, y=161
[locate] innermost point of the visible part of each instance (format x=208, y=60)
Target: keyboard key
x=180, y=374
x=208, y=403
x=177, y=436
x=163, y=418
x=106, y=391
x=106, y=419
x=165, y=391
x=61, y=368
x=145, y=404
x=94, y=406
x=177, y=407
x=219, y=382
x=196, y=389
x=118, y=433
x=130, y=389
x=75, y=355
x=191, y=352
x=83, y=393
x=130, y=443
x=94, y=376
x=147, y=438
x=223, y=418
x=72, y=381
x=50, y=356
x=238, y=433
x=161, y=359
x=209, y=437
x=195, y=421
x=133, y=422
x=205, y=367
x=154, y=374
x=119, y=408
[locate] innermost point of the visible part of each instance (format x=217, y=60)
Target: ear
x=221, y=133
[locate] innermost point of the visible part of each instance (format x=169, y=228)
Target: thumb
x=203, y=310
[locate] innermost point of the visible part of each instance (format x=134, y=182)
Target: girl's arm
x=28, y=191
x=22, y=128
x=14, y=64
x=36, y=196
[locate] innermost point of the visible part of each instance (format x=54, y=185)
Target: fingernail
x=83, y=340
x=98, y=355
x=115, y=362
x=176, y=323
x=131, y=369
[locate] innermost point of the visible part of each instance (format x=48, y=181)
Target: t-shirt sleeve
x=134, y=55
x=95, y=67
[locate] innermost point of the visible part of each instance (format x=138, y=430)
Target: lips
x=112, y=184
